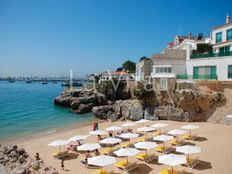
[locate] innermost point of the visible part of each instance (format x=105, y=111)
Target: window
x=218, y=37
x=224, y=49
x=163, y=69
x=230, y=71
x=164, y=83
x=205, y=72
x=229, y=34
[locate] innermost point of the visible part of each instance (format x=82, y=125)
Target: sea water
x=27, y=109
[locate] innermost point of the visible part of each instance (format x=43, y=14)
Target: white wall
x=220, y=62
x=224, y=33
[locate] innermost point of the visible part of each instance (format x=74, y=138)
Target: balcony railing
x=196, y=77
x=221, y=54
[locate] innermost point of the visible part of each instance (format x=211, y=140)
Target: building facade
x=218, y=64
x=143, y=69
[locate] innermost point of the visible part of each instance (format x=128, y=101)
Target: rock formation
x=17, y=161
x=81, y=101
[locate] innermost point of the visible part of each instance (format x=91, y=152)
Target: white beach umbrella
x=78, y=137
x=190, y=127
x=172, y=160
x=111, y=141
x=58, y=143
x=101, y=160
x=163, y=138
x=113, y=128
x=88, y=146
x=128, y=124
x=98, y=132
x=229, y=116
x=128, y=135
x=143, y=121
x=176, y=132
x=126, y=152
x=146, y=145
x=159, y=126
x=146, y=129
x=187, y=149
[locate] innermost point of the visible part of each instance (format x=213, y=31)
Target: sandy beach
x=214, y=140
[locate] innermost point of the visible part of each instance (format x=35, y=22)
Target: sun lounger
x=108, y=151
x=146, y=158
x=176, y=142
x=60, y=155
x=192, y=162
x=125, y=145
x=121, y=164
x=142, y=156
x=72, y=147
x=169, y=171
x=157, y=133
x=165, y=150
x=100, y=171
x=189, y=137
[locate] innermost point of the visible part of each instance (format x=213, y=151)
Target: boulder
x=75, y=104
x=101, y=111
x=21, y=151
x=83, y=108
x=170, y=113
x=21, y=159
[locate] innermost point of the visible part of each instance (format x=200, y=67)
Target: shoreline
x=209, y=136
x=67, y=128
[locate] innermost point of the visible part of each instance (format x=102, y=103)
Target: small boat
x=11, y=81
x=28, y=81
x=44, y=83
x=75, y=84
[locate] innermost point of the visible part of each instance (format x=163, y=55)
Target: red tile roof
x=115, y=73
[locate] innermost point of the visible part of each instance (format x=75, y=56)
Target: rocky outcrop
x=81, y=101
x=221, y=113
x=170, y=113
x=17, y=161
x=195, y=104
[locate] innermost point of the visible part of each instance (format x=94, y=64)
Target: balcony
x=208, y=55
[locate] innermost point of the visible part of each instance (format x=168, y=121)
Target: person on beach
x=99, y=138
x=94, y=126
x=110, y=134
x=62, y=164
x=97, y=126
x=87, y=155
x=97, y=153
x=37, y=156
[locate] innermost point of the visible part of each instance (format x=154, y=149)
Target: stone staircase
x=219, y=116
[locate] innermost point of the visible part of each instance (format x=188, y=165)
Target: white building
x=216, y=65
x=118, y=75
x=185, y=42
x=143, y=69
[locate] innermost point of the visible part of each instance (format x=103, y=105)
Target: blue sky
x=50, y=37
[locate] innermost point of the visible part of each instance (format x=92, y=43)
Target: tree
x=146, y=94
x=129, y=66
x=113, y=90
x=143, y=58
x=203, y=48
